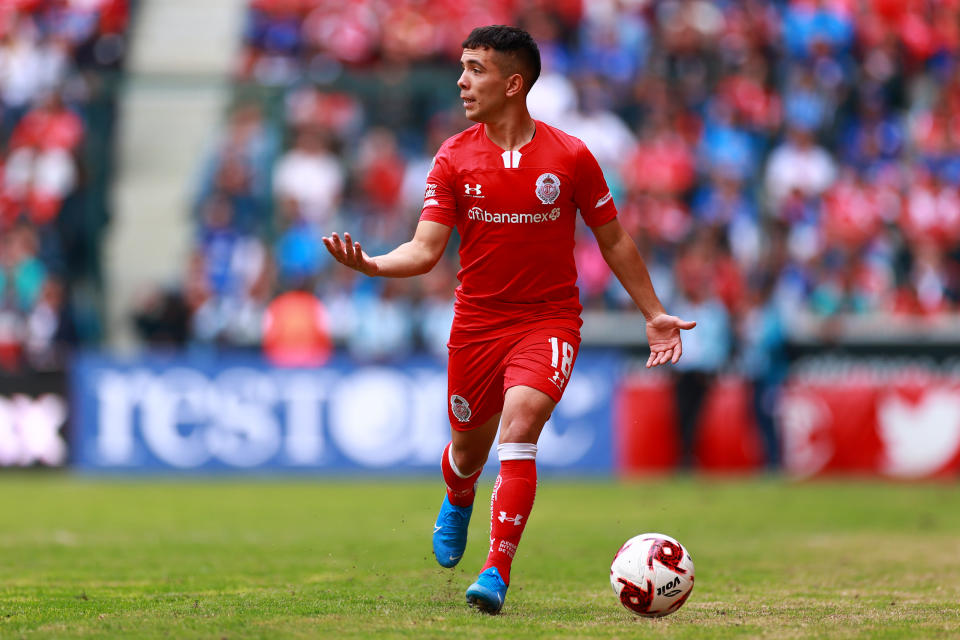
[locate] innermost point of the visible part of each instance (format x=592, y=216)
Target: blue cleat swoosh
x=450, y=533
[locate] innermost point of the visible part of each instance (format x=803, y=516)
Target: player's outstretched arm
x=412, y=258
x=621, y=254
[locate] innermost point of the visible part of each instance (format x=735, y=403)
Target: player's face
x=483, y=87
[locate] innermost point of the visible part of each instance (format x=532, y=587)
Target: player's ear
x=515, y=85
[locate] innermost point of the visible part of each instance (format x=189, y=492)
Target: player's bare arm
x=621, y=254
x=412, y=258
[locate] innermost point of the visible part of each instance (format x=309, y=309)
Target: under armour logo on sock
x=515, y=519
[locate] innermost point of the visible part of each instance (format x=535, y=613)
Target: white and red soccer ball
x=652, y=575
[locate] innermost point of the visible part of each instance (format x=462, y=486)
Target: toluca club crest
x=460, y=408
x=548, y=188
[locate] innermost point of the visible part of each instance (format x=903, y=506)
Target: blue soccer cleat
x=450, y=533
x=488, y=592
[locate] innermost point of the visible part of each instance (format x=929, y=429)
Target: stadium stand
x=808, y=152
x=60, y=63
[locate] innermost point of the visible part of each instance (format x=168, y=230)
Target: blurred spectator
x=762, y=336
x=162, y=319
x=726, y=146
x=806, y=104
x=554, y=96
x=614, y=42
x=842, y=286
x=874, y=139
x=748, y=92
x=593, y=273
x=295, y=329
x=22, y=273
x=340, y=114
x=852, y=214
x=241, y=166
x=338, y=293
x=309, y=178
x=932, y=211
x=298, y=251
x=23, y=277
x=49, y=329
x=30, y=65
x=722, y=203
x=662, y=163
x=234, y=275
x=810, y=24
x=706, y=348
x=379, y=173
x=602, y=130
x=799, y=166
x=383, y=321
x=934, y=281
x=40, y=171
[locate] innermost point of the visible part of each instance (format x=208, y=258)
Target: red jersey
x=516, y=215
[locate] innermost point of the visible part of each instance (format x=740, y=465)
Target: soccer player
x=512, y=187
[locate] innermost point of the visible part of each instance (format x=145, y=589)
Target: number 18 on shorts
x=479, y=373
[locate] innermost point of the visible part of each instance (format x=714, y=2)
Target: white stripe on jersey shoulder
x=511, y=159
x=602, y=201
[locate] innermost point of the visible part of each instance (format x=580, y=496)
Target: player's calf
x=453, y=521
x=511, y=504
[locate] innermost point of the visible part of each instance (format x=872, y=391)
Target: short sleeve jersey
x=516, y=216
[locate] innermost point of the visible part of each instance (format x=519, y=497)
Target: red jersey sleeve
x=591, y=193
x=439, y=203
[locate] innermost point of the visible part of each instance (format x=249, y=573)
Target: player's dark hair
x=514, y=43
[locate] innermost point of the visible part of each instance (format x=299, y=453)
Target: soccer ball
x=652, y=574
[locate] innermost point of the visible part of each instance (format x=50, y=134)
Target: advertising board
x=156, y=414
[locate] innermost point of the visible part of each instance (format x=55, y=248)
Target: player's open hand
x=349, y=253
x=663, y=334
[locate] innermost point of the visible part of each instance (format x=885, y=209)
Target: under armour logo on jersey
x=515, y=519
x=471, y=191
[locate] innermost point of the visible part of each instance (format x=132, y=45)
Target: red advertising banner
x=906, y=427
x=895, y=422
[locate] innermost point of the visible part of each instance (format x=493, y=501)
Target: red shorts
x=479, y=373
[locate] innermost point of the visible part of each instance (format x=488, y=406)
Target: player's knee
x=526, y=411
x=523, y=427
x=468, y=461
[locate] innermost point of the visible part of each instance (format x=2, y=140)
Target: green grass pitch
x=322, y=558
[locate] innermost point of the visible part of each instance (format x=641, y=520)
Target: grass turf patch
x=346, y=558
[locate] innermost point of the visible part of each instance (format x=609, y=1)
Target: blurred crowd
x=772, y=158
x=55, y=124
